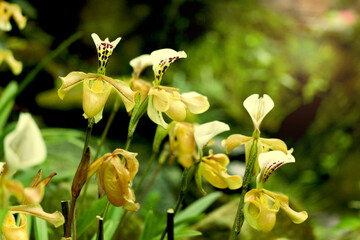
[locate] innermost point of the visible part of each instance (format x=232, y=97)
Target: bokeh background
x=305, y=54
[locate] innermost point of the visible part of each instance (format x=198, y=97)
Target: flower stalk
x=239, y=219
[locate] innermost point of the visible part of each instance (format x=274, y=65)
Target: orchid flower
x=115, y=178
x=30, y=198
x=261, y=205
x=182, y=143
x=8, y=10
x=257, y=108
x=213, y=169
x=24, y=147
x=207, y=131
x=97, y=87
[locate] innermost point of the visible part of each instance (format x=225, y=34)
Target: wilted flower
x=182, y=143
x=24, y=147
x=8, y=10
x=115, y=178
x=97, y=87
x=8, y=57
x=213, y=169
x=261, y=205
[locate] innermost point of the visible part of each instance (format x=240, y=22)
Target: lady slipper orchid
x=261, y=205
x=115, y=178
x=8, y=10
x=24, y=147
x=13, y=232
x=97, y=87
x=170, y=101
x=257, y=108
x=182, y=143
x=213, y=169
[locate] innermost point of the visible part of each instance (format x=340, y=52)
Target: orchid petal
x=161, y=99
x=195, y=102
x=71, y=80
x=154, y=114
x=213, y=169
x=234, y=141
x=56, y=218
x=177, y=111
x=95, y=165
x=13, y=232
x=296, y=217
x=141, y=86
x=161, y=60
x=1, y=167
x=273, y=144
x=124, y=91
x=140, y=63
x=24, y=147
x=104, y=49
x=258, y=108
x=205, y=132
x=132, y=164
x=270, y=161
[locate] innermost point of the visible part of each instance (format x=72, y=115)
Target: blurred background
x=305, y=54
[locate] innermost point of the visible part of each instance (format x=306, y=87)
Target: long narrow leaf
x=41, y=230
x=148, y=232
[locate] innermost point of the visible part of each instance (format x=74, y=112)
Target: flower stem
x=239, y=219
x=150, y=162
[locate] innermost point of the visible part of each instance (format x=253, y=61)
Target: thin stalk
x=106, y=209
x=143, y=193
x=70, y=219
x=239, y=219
x=150, y=162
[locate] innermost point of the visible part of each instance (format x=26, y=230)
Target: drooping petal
x=24, y=147
x=71, y=80
x=95, y=165
x=195, y=102
x=95, y=95
x=205, y=132
x=56, y=218
x=296, y=217
x=105, y=49
x=15, y=187
x=132, y=164
x=140, y=63
x=234, y=141
x=154, y=114
x=213, y=169
x=258, y=108
x=13, y=232
x=124, y=91
x=161, y=60
x=273, y=144
x=270, y=161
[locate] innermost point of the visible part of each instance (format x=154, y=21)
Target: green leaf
x=116, y=214
x=187, y=233
x=160, y=134
x=6, y=103
x=138, y=112
x=198, y=179
x=41, y=230
x=349, y=222
x=3, y=212
x=197, y=207
x=148, y=232
x=89, y=216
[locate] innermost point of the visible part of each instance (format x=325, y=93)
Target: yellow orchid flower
x=257, y=108
x=115, y=178
x=13, y=232
x=213, y=169
x=204, y=133
x=8, y=57
x=8, y=10
x=261, y=205
x=182, y=143
x=97, y=87
x=173, y=104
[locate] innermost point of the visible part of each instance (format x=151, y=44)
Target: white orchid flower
x=258, y=108
x=207, y=131
x=24, y=147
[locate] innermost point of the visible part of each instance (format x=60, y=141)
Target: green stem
x=143, y=193
x=106, y=209
x=31, y=76
x=239, y=219
x=150, y=162
x=90, y=125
